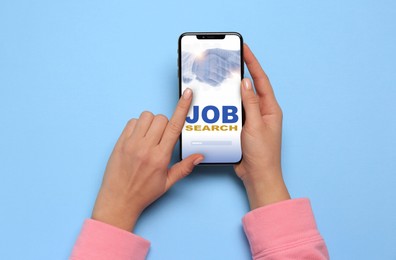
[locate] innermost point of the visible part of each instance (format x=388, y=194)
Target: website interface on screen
x=212, y=69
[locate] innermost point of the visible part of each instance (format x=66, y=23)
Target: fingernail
x=198, y=160
x=246, y=84
x=187, y=93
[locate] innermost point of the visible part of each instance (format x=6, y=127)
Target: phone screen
x=210, y=65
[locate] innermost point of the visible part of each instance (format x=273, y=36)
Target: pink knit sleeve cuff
x=280, y=226
x=101, y=241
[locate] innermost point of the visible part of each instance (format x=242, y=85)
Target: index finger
x=176, y=123
x=261, y=82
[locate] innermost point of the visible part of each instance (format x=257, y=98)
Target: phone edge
x=180, y=87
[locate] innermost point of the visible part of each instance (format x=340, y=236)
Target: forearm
x=100, y=241
x=284, y=230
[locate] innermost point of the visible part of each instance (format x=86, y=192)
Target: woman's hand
x=137, y=172
x=260, y=168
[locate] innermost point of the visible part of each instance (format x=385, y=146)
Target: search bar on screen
x=211, y=142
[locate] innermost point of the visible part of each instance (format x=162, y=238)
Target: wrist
x=266, y=188
x=123, y=219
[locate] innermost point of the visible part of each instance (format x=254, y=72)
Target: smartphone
x=210, y=63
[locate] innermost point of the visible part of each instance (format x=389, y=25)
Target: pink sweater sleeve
x=101, y=241
x=284, y=230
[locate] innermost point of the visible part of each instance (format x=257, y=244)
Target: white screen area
x=211, y=68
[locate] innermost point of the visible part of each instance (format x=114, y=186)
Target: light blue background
x=73, y=72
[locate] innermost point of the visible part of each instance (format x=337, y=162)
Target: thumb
x=181, y=169
x=251, y=102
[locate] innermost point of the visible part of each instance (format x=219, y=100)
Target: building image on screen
x=212, y=69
